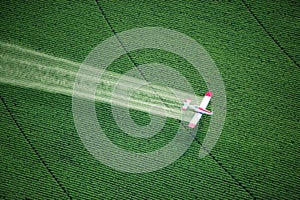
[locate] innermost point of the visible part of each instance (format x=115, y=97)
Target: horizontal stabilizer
x=186, y=103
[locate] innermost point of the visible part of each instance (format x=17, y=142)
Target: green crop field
x=256, y=48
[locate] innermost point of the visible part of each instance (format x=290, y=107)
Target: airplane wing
x=205, y=100
x=195, y=120
x=203, y=105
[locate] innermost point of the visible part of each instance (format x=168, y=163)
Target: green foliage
x=257, y=155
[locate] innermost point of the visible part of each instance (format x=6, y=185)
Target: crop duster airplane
x=200, y=110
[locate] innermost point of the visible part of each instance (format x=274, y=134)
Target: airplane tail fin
x=186, y=103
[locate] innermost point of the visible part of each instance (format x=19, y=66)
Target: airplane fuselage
x=196, y=109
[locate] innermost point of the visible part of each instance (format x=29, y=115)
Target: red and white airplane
x=198, y=109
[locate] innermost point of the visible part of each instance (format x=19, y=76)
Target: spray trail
x=26, y=68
